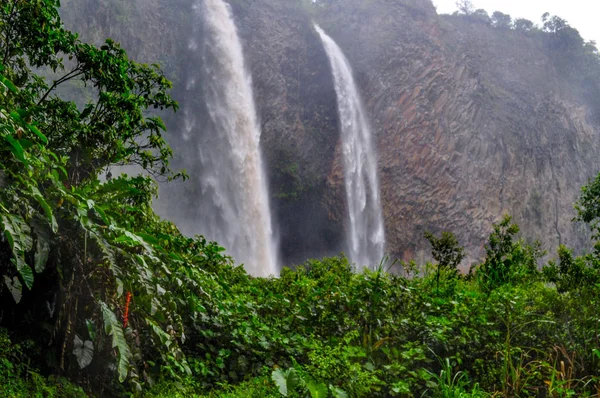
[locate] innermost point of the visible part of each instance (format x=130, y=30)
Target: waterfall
x=232, y=202
x=366, y=236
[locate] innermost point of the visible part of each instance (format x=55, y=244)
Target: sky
x=583, y=15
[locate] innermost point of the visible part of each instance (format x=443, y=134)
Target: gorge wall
x=470, y=122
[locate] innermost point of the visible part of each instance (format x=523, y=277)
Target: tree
x=552, y=24
x=71, y=242
x=507, y=259
x=563, y=37
x=501, y=20
x=571, y=273
x=447, y=251
x=523, y=25
x=465, y=7
x=496, y=270
x=588, y=208
x=482, y=16
x=115, y=127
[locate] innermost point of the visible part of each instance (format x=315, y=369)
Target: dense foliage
x=100, y=295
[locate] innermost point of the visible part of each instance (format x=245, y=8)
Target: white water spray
x=234, y=201
x=366, y=237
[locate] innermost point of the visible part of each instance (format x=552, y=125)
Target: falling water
x=233, y=201
x=366, y=238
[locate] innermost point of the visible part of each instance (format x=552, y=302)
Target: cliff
x=471, y=122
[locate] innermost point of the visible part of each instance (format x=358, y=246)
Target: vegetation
x=577, y=60
x=101, y=297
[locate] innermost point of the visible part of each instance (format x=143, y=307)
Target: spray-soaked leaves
x=15, y=288
x=42, y=248
x=45, y=182
x=83, y=351
x=18, y=234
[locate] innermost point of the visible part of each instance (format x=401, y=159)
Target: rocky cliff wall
x=296, y=101
x=470, y=122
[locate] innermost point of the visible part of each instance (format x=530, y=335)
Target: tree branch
x=9, y=29
x=67, y=77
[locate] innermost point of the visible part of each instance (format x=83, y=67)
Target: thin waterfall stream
x=233, y=198
x=366, y=235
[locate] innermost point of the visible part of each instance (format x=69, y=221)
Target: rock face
x=296, y=101
x=470, y=122
x=148, y=29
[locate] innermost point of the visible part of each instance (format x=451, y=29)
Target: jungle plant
x=446, y=251
x=454, y=385
x=508, y=260
x=75, y=243
x=292, y=381
x=588, y=208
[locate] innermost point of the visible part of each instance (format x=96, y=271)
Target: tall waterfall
x=233, y=201
x=366, y=236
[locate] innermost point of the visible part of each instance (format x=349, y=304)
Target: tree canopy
x=111, y=129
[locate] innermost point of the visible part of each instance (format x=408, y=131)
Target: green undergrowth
x=258, y=387
x=20, y=379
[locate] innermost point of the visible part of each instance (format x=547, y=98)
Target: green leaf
x=37, y=132
x=159, y=123
x=16, y=149
x=25, y=143
x=317, y=390
x=120, y=287
x=164, y=337
x=112, y=327
x=338, y=392
x=47, y=209
x=91, y=327
x=18, y=234
x=102, y=214
x=278, y=377
x=286, y=381
x=15, y=288
x=64, y=171
x=132, y=239
x=27, y=274
x=16, y=116
x=9, y=84
x=86, y=111
x=83, y=351
x=42, y=250
x=150, y=239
